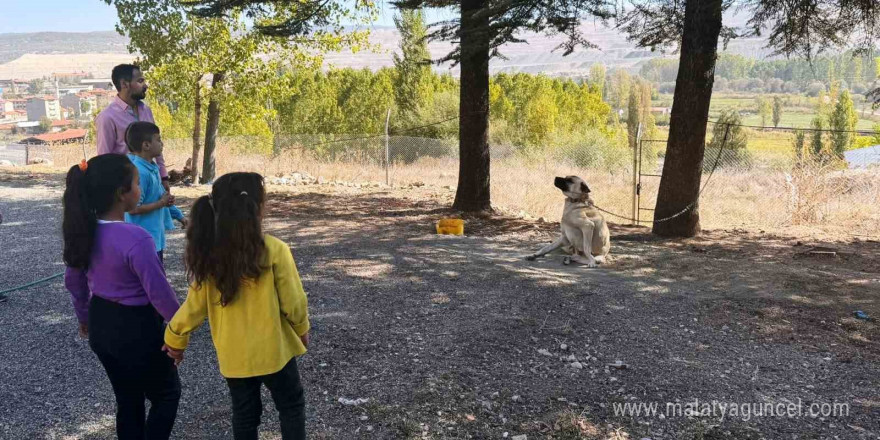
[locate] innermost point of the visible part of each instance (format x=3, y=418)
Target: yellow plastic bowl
x=450, y=226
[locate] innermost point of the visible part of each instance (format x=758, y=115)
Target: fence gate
x=652, y=172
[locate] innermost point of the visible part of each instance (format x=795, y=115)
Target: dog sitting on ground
x=585, y=236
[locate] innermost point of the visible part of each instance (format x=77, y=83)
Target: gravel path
x=460, y=338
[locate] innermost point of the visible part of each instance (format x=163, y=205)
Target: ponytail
x=200, y=240
x=79, y=223
x=92, y=189
x=225, y=237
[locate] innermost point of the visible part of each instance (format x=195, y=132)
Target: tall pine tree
x=413, y=85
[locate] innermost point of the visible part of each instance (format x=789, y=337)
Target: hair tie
x=83, y=165
x=243, y=193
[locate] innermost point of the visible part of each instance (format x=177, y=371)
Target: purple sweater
x=124, y=269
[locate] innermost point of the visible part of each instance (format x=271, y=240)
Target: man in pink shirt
x=127, y=107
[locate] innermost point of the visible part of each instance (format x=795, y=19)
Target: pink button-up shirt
x=110, y=128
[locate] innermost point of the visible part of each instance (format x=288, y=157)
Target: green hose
x=31, y=284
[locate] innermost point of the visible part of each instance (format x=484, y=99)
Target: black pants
x=128, y=341
x=287, y=392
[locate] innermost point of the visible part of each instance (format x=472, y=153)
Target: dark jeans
x=128, y=341
x=287, y=392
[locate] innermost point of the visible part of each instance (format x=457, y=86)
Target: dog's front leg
x=587, y=260
x=558, y=243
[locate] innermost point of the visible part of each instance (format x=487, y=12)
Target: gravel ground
x=460, y=338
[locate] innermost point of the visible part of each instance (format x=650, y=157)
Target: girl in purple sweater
x=120, y=294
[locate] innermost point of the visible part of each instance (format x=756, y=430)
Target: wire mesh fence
x=761, y=185
x=24, y=154
x=767, y=184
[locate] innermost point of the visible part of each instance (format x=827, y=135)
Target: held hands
x=177, y=355
x=305, y=339
x=83, y=330
x=165, y=200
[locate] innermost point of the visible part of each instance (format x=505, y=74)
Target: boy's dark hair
x=224, y=241
x=123, y=72
x=88, y=195
x=139, y=132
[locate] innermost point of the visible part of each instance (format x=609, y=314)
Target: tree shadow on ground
x=721, y=308
x=459, y=337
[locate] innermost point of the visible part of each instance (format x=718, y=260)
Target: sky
x=95, y=15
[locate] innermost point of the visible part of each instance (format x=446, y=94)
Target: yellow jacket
x=258, y=332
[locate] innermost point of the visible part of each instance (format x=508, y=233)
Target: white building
x=43, y=107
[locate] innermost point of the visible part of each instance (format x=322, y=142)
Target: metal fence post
x=387, y=150
x=636, y=151
x=27, y=153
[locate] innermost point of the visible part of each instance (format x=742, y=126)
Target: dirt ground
x=460, y=337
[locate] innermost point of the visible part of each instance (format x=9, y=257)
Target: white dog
x=585, y=236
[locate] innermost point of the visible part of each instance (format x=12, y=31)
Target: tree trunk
x=211, y=128
x=473, y=138
x=682, y=168
x=197, y=131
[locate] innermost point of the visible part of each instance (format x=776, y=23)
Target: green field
x=798, y=112
x=802, y=120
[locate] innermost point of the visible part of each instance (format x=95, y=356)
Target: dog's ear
x=584, y=188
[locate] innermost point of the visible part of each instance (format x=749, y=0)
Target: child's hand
x=165, y=200
x=84, y=330
x=177, y=355
x=183, y=223
x=305, y=339
x=171, y=199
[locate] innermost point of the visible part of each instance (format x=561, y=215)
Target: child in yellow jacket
x=247, y=285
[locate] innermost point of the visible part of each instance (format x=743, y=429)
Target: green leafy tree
x=480, y=29
x=36, y=85
x=633, y=118
x=192, y=59
x=365, y=99
x=45, y=125
x=764, y=109
x=801, y=153
x=842, y=121
x=597, y=76
x=728, y=131
x=649, y=123
x=875, y=94
x=537, y=113
x=855, y=74
x=619, y=86
x=817, y=143
x=777, y=111
x=413, y=86
x=313, y=107
x=85, y=108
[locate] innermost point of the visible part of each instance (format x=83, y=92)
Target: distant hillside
x=37, y=54
x=13, y=46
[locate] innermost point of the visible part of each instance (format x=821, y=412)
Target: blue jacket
x=155, y=222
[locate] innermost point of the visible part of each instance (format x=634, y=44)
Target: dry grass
x=796, y=201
